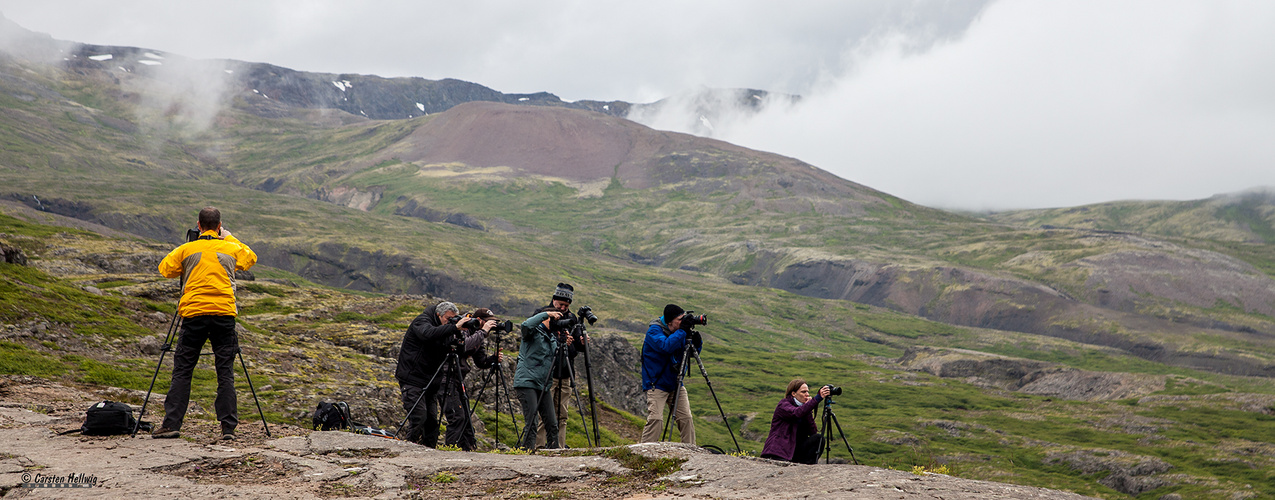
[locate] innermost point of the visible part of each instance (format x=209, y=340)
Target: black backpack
x=329, y=416
x=109, y=418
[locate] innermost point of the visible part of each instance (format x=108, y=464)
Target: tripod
x=588, y=377
x=496, y=374
x=827, y=420
x=562, y=359
x=688, y=353
x=174, y=326
x=452, y=363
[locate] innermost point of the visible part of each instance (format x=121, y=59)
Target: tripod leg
x=464, y=405
x=704, y=372
x=478, y=397
x=399, y=434
x=173, y=326
x=504, y=382
x=253, y=389
x=588, y=378
x=681, y=376
x=824, y=429
x=583, y=423
x=836, y=422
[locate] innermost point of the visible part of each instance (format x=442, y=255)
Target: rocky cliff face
x=1028, y=376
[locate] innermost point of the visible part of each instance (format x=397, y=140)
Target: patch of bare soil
x=250, y=433
x=507, y=484
x=618, y=424
x=251, y=468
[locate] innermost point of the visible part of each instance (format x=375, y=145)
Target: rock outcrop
x=1029, y=376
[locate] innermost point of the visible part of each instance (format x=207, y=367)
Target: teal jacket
x=535, y=354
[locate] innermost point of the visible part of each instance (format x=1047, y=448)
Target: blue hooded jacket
x=661, y=356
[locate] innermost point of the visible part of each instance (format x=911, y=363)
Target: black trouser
x=808, y=449
x=422, y=422
x=220, y=330
x=537, y=405
x=459, y=431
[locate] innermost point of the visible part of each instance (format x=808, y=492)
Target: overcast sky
x=955, y=104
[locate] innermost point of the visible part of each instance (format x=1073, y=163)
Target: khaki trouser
x=560, y=390
x=656, y=403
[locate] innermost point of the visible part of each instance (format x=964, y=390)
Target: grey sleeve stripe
x=228, y=263
x=188, y=266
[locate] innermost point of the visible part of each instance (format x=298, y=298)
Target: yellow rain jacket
x=207, y=269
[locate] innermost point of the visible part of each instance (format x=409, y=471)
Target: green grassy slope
x=891, y=418
x=79, y=150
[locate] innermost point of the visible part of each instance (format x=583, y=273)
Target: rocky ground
x=297, y=463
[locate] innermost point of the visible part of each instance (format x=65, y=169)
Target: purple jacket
x=790, y=418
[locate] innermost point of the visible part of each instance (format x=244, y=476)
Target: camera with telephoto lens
x=467, y=322
x=566, y=322
x=192, y=235
x=502, y=327
x=833, y=390
x=586, y=313
x=691, y=319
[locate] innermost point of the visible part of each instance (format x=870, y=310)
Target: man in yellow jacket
x=207, y=269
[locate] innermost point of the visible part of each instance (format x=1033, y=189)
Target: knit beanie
x=564, y=292
x=671, y=311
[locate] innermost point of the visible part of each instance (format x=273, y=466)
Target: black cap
x=564, y=292
x=672, y=311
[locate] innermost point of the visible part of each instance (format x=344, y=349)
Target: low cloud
x=1044, y=104
x=178, y=95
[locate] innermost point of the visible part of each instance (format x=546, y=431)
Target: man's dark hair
x=209, y=218
x=671, y=312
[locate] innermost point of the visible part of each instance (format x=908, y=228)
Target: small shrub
x=444, y=477
x=922, y=470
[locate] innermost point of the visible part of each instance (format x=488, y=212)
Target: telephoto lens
x=564, y=323
x=691, y=319
x=586, y=312
x=833, y=390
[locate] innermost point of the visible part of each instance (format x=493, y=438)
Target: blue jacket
x=661, y=356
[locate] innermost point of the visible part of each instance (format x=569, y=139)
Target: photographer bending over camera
x=661, y=363
x=793, y=435
x=207, y=268
x=531, y=379
x=474, y=328
x=561, y=388
x=425, y=347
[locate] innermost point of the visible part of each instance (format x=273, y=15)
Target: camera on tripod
x=467, y=322
x=691, y=319
x=586, y=313
x=562, y=324
x=500, y=328
x=833, y=390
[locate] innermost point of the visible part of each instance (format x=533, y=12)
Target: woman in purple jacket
x=793, y=436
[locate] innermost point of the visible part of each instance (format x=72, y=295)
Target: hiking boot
x=165, y=433
x=229, y=436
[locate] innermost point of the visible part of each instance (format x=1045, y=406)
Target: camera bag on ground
x=109, y=418
x=329, y=416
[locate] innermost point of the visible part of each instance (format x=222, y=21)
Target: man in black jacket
x=423, y=351
x=562, y=365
